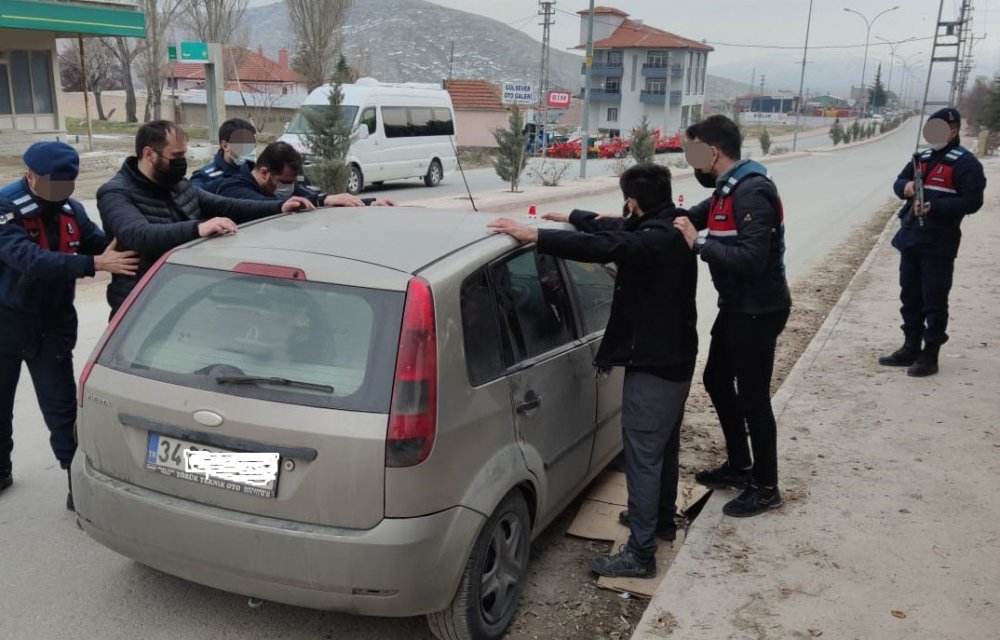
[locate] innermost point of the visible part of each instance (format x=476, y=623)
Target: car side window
x=595, y=287
x=368, y=118
x=533, y=305
x=484, y=357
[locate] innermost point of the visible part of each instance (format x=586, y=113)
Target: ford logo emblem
x=208, y=418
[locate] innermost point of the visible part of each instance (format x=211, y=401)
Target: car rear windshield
x=307, y=343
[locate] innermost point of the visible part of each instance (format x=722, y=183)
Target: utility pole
x=964, y=46
x=451, y=60
x=547, y=11
x=589, y=63
x=949, y=39
x=802, y=78
x=760, y=100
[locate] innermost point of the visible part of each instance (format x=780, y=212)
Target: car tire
x=356, y=181
x=434, y=174
x=499, y=560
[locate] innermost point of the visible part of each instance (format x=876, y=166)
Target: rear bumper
x=401, y=567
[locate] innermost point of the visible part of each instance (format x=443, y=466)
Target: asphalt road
x=57, y=583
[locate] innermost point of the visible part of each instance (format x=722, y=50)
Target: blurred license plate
x=254, y=474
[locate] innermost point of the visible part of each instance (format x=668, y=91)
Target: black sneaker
x=724, y=477
x=623, y=564
x=5, y=481
x=664, y=531
x=753, y=501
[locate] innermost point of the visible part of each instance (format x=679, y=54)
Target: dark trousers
x=924, y=284
x=50, y=365
x=652, y=408
x=738, y=379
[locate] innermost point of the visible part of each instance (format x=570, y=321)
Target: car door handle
x=531, y=401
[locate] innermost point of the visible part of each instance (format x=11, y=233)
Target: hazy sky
x=742, y=30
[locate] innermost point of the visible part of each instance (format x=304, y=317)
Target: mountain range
x=412, y=40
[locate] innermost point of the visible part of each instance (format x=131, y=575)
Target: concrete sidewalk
x=891, y=523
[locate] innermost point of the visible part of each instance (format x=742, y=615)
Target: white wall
x=26, y=40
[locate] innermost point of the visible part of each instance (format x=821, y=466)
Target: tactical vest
x=940, y=177
x=721, y=217
x=28, y=214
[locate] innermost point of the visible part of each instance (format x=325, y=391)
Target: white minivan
x=400, y=130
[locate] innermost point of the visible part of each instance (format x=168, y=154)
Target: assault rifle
x=918, y=190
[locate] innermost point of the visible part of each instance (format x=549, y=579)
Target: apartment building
x=639, y=70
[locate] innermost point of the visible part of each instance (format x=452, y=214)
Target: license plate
x=254, y=474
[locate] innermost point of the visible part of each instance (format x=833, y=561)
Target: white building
x=640, y=70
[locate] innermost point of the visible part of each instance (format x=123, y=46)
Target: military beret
x=57, y=160
x=949, y=115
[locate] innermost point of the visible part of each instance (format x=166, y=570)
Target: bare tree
x=125, y=51
x=160, y=14
x=316, y=26
x=213, y=20
x=102, y=70
x=360, y=56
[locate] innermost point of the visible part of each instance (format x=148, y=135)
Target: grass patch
x=78, y=126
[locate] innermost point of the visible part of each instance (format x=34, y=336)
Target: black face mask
x=174, y=174
x=704, y=178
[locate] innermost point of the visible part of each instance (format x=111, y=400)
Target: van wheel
x=494, y=577
x=356, y=181
x=434, y=174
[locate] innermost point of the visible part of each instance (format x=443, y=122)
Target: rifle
x=918, y=190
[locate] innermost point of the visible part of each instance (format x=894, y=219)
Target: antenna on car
x=462, y=171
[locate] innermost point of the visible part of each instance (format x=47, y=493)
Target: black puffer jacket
x=653, y=323
x=151, y=219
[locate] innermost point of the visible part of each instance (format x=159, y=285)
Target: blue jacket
x=36, y=284
x=243, y=185
x=212, y=174
x=954, y=184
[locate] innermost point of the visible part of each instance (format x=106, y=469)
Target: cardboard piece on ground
x=610, y=487
x=646, y=587
x=596, y=521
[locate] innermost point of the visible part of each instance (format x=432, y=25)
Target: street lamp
x=906, y=71
x=802, y=79
x=892, y=54
x=868, y=33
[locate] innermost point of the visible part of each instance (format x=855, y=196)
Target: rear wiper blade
x=280, y=382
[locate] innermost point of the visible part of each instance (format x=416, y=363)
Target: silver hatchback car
x=411, y=399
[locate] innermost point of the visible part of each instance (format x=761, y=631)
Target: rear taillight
x=413, y=413
x=115, y=321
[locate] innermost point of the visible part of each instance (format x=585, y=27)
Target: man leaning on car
x=651, y=332
x=150, y=208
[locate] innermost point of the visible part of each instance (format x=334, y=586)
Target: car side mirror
x=363, y=132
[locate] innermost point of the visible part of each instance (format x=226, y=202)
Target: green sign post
x=172, y=52
x=193, y=52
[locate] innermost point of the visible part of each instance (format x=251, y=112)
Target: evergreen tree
x=343, y=73
x=877, y=97
x=765, y=141
x=329, y=138
x=642, y=147
x=836, y=132
x=511, y=157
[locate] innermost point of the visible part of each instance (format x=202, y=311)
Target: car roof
x=401, y=238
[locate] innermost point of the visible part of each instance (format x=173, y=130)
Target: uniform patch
x=747, y=218
x=6, y=217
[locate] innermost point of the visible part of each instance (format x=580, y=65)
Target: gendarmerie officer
x=237, y=146
x=47, y=242
x=928, y=239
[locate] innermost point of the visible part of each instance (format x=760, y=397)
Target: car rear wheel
x=494, y=577
x=356, y=181
x=434, y=174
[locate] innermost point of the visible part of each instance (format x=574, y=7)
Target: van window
x=368, y=119
x=300, y=123
x=212, y=329
x=403, y=122
x=533, y=303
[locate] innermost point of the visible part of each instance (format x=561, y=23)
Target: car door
x=593, y=286
x=370, y=151
x=550, y=372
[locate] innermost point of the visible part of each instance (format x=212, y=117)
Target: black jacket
x=151, y=219
x=653, y=323
x=748, y=268
x=940, y=233
x=210, y=176
x=243, y=185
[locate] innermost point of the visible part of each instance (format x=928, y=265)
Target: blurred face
x=701, y=156
x=241, y=144
x=48, y=189
x=939, y=133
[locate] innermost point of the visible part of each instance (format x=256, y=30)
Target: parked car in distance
x=416, y=397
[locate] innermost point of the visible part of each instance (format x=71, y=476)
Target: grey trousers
x=652, y=408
